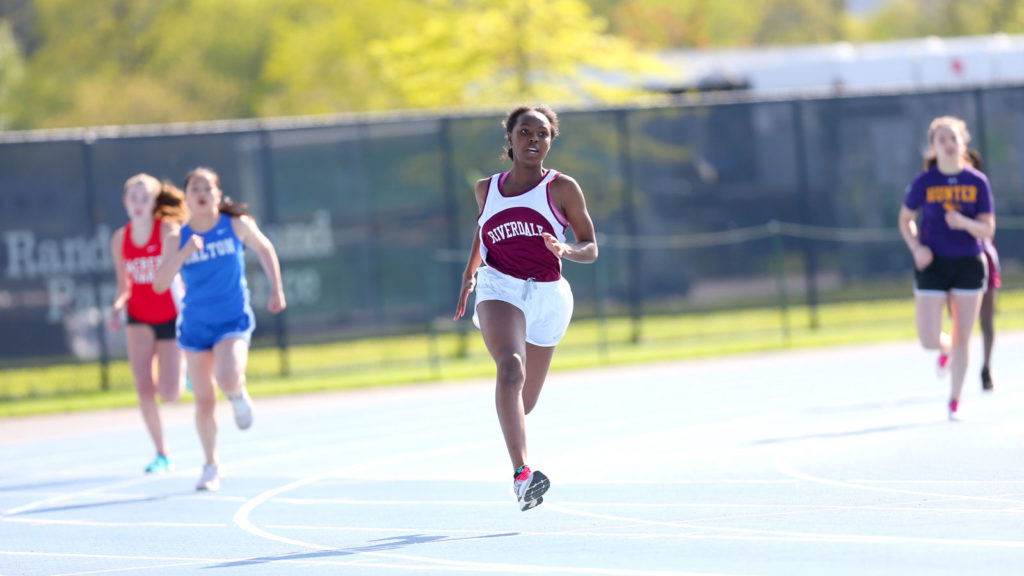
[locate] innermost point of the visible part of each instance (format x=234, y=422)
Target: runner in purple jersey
x=523, y=304
x=987, y=314
x=957, y=213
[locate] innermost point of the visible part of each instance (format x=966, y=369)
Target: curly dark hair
x=510, y=122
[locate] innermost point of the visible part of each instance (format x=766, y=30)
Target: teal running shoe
x=160, y=466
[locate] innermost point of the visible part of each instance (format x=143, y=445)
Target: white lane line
x=724, y=533
x=110, y=556
x=444, y=566
x=763, y=509
x=953, y=482
x=389, y=502
x=99, y=524
x=784, y=465
x=406, y=478
x=131, y=569
x=69, y=496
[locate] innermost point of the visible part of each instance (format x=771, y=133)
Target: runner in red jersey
x=523, y=304
x=154, y=210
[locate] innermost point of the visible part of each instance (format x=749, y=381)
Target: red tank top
x=140, y=264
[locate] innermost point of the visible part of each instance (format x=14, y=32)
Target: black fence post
x=601, y=288
x=779, y=255
x=270, y=216
x=635, y=264
x=808, y=215
x=89, y=177
x=448, y=265
x=979, y=105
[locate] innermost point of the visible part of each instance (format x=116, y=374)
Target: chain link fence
x=700, y=205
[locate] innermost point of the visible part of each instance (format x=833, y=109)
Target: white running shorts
x=546, y=305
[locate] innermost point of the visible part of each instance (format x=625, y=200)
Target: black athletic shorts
x=163, y=331
x=953, y=274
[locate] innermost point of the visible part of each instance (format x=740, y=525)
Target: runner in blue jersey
x=957, y=214
x=216, y=320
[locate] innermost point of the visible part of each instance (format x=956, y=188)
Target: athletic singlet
x=510, y=228
x=141, y=263
x=215, y=286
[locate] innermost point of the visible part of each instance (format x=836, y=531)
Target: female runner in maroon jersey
x=154, y=210
x=523, y=304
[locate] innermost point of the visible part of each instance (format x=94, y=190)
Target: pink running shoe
x=529, y=487
x=942, y=367
x=954, y=405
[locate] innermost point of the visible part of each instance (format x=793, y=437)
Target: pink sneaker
x=529, y=487
x=942, y=367
x=954, y=416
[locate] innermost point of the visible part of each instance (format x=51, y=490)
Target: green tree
x=492, y=52
x=797, y=22
x=918, y=18
x=317, y=60
x=12, y=69
x=80, y=45
x=667, y=24
x=124, y=61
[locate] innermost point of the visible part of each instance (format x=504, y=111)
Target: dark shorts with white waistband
x=961, y=275
x=163, y=330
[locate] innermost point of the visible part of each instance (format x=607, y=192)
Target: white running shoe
x=529, y=488
x=242, y=406
x=210, y=480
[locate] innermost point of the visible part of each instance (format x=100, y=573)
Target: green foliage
x=12, y=70
x=917, y=18
x=122, y=61
x=493, y=52
x=318, y=62
x=69, y=62
x=665, y=24
x=797, y=21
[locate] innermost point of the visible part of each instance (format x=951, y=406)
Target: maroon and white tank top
x=510, y=228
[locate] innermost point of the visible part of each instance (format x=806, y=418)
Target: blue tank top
x=215, y=286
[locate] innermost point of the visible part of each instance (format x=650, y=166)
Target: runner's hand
x=468, y=284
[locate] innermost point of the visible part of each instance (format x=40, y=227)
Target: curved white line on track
x=241, y=518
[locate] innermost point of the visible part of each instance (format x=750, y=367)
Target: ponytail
x=227, y=206
x=170, y=204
